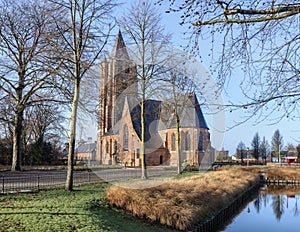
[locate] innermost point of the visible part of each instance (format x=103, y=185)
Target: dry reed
x=272, y=172
x=183, y=203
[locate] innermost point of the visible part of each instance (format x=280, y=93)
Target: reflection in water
x=274, y=209
x=278, y=205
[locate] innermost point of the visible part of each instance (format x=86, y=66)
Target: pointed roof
x=201, y=120
x=119, y=41
x=190, y=113
x=119, y=50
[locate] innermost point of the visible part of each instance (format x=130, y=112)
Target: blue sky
x=290, y=130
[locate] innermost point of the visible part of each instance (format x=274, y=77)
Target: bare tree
x=142, y=24
x=264, y=148
x=6, y=131
x=259, y=37
x=298, y=153
x=44, y=124
x=85, y=26
x=241, y=151
x=181, y=87
x=177, y=90
x=26, y=64
x=277, y=144
x=256, y=146
x=88, y=103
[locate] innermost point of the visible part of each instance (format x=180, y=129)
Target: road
x=39, y=180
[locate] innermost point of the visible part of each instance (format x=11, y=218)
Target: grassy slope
x=57, y=210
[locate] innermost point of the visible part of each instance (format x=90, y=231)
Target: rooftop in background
x=85, y=147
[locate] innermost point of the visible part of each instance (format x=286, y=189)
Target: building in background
x=119, y=120
x=85, y=153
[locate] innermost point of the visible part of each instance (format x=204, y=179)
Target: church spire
x=119, y=41
x=119, y=49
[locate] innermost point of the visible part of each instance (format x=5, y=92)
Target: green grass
x=84, y=209
x=186, y=174
x=190, y=173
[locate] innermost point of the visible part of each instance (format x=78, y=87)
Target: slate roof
x=159, y=115
x=152, y=116
x=86, y=148
x=201, y=122
x=189, y=111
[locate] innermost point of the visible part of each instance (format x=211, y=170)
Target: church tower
x=118, y=80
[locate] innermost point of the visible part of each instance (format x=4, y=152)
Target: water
x=276, y=209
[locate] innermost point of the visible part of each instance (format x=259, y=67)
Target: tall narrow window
x=107, y=147
x=187, y=141
x=173, y=147
x=115, y=147
x=125, y=138
x=200, y=142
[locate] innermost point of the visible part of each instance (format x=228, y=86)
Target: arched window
x=187, y=141
x=173, y=147
x=200, y=142
x=115, y=147
x=107, y=147
x=125, y=138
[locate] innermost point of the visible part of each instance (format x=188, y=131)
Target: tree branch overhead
x=268, y=14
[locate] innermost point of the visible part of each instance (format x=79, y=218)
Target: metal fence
x=29, y=182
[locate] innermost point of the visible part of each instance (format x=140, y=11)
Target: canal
x=275, y=208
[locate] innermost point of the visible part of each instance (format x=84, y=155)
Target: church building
x=119, y=120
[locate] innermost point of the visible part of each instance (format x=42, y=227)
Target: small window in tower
x=127, y=70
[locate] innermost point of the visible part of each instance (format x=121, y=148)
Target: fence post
x=3, y=183
x=38, y=182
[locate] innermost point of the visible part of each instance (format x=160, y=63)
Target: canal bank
x=224, y=215
x=278, y=177
x=274, y=209
x=199, y=202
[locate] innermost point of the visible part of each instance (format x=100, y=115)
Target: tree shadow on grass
x=84, y=208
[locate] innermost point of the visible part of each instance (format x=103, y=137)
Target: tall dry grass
x=273, y=172
x=185, y=202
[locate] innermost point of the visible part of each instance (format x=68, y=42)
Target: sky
x=235, y=132
x=229, y=136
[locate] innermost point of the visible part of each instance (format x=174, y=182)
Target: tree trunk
x=178, y=147
x=17, y=141
x=143, y=150
x=69, y=180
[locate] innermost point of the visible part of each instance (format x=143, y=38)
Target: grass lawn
x=84, y=209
